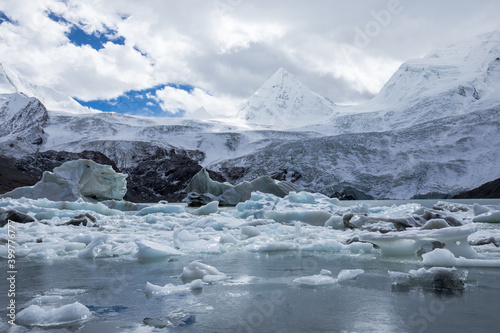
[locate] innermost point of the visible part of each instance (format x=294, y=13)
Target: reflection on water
x=260, y=296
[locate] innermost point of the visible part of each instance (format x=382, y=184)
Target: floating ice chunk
x=227, y=238
x=196, y=284
x=34, y=315
x=478, y=209
x=97, y=248
x=321, y=279
x=489, y=217
x=336, y=222
x=44, y=255
x=214, y=278
x=161, y=208
x=435, y=224
x=73, y=180
x=349, y=274
x=210, y=208
x=324, y=277
x=407, y=243
x=249, y=231
x=184, y=236
x=449, y=206
x=312, y=217
x=154, y=290
x=149, y=250
x=270, y=245
x=438, y=279
x=197, y=270
x=325, y=245
x=301, y=197
x=215, y=222
x=315, y=280
x=82, y=238
x=257, y=205
x=443, y=257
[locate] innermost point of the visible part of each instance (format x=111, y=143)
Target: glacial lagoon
x=244, y=272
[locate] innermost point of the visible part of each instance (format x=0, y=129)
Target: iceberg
x=35, y=315
x=488, y=217
x=74, y=180
x=202, y=189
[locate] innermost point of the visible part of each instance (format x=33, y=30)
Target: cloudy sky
x=171, y=57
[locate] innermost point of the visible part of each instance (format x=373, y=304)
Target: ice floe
x=299, y=221
x=198, y=270
x=325, y=278
x=35, y=315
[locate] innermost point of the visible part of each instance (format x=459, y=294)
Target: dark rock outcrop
x=35, y=164
x=162, y=176
x=12, y=177
x=488, y=190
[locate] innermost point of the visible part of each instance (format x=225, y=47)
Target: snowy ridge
x=53, y=100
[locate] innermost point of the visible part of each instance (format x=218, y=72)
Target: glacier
x=75, y=180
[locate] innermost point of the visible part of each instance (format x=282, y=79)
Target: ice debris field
x=439, y=240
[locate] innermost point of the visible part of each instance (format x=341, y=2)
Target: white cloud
x=229, y=47
x=174, y=100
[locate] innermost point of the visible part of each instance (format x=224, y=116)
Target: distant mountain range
x=432, y=131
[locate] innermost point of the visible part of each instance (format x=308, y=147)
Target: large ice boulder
x=73, y=180
x=202, y=189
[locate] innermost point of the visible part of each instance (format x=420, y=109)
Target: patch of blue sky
x=137, y=102
x=5, y=18
x=79, y=37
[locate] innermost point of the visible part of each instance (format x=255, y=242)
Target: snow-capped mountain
x=53, y=100
x=433, y=130
x=285, y=102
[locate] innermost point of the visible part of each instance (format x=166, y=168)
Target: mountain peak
x=11, y=83
x=284, y=101
x=472, y=65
